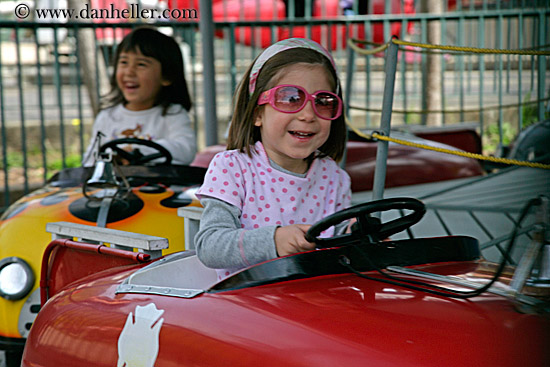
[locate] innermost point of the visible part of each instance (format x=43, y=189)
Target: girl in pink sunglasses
x=279, y=174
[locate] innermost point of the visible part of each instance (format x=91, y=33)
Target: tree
x=432, y=88
x=95, y=78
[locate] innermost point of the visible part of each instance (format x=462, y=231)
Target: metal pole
x=347, y=96
x=385, y=122
x=206, y=28
x=541, y=67
x=349, y=79
x=22, y=110
x=481, y=76
x=3, y=139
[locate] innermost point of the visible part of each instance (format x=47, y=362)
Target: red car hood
x=327, y=320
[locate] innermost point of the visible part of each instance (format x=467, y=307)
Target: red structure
x=334, y=36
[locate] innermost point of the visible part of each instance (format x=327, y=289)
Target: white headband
x=283, y=45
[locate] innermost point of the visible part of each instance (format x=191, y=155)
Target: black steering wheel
x=135, y=157
x=367, y=227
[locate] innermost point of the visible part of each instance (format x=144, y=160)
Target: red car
x=150, y=207
x=356, y=301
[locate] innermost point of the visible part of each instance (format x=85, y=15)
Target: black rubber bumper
x=14, y=350
x=12, y=344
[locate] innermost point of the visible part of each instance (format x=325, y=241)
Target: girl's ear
x=258, y=120
x=258, y=116
x=165, y=82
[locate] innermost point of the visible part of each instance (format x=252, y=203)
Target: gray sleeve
x=221, y=243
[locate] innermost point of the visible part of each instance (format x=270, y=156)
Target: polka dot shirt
x=267, y=196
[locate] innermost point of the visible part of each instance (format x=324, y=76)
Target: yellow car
x=137, y=197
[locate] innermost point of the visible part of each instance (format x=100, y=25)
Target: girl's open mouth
x=301, y=134
x=131, y=86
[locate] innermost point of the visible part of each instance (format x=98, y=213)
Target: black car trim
x=326, y=261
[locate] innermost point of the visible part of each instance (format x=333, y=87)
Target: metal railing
x=46, y=109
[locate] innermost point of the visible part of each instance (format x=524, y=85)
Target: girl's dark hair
x=152, y=43
x=242, y=131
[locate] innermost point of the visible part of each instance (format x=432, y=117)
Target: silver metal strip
x=162, y=291
x=466, y=283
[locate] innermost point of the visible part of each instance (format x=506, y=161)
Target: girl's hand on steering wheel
x=291, y=239
x=123, y=161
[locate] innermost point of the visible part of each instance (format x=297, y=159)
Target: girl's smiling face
x=289, y=138
x=139, y=77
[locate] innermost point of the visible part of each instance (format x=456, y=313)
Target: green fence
x=52, y=75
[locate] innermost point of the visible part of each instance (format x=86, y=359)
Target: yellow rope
x=382, y=47
x=367, y=52
x=440, y=48
x=375, y=135
x=352, y=41
x=470, y=49
x=464, y=110
x=458, y=52
x=364, y=42
x=516, y=162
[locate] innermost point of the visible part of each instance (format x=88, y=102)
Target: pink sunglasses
x=289, y=98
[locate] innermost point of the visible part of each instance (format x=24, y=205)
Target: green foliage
x=34, y=160
x=491, y=136
x=14, y=159
x=413, y=118
x=71, y=161
x=529, y=112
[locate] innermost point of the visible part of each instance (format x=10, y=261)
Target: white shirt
x=173, y=131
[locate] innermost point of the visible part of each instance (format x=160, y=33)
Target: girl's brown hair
x=152, y=43
x=242, y=131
